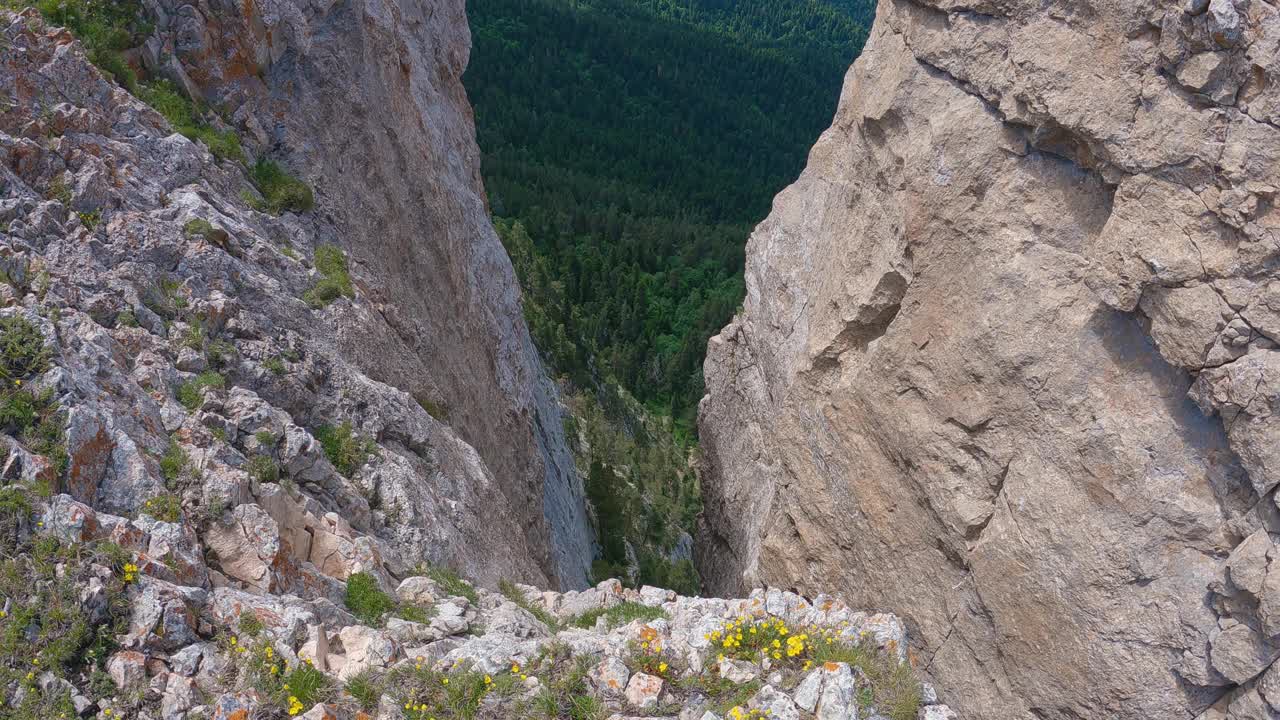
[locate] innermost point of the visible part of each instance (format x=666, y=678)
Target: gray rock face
x=367, y=101
x=1006, y=362
x=97, y=194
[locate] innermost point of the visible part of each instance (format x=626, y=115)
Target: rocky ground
x=435, y=647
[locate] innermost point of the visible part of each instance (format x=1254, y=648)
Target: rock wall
x=1007, y=360
x=141, y=259
x=365, y=100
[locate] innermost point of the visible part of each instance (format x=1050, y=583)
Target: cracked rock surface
x=98, y=196
x=1008, y=357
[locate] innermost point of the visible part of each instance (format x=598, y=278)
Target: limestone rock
x=644, y=691
x=1006, y=362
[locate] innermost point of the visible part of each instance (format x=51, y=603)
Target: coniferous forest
x=637, y=142
x=629, y=147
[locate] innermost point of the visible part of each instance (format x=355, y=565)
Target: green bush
x=188, y=121
x=345, y=448
x=335, y=279
x=191, y=392
x=264, y=469
x=22, y=349
x=366, y=600
x=280, y=191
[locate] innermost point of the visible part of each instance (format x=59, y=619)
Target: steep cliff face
x=403, y=418
x=1007, y=359
x=366, y=100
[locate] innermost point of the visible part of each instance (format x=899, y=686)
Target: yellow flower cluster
x=753, y=638
x=737, y=713
x=295, y=705
x=130, y=572
x=649, y=657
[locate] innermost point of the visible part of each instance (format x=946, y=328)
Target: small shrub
x=165, y=298
x=38, y=422
x=22, y=349
x=275, y=365
x=335, y=280
x=126, y=318
x=165, y=508
x=91, y=219
x=173, y=464
x=59, y=191
x=191, y=392
x=345, y=448
x=197, y=228
x=266, y=438
x=437, y=410
x=366, y=600
x=280, y=191
x=249, y=625
x=264, y=469
x=194, y=336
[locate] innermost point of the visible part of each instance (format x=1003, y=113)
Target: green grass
x=106, y=28
x=280, y=191
x=275, y=365
x=415, y=613
x=366, y=689
x=450, y=582
x=165, y=508
x=188, y=120
x=191, y=392
x=197, y=228
x=618, y=615
x=894, y=689
x=46, y=629
x=174, y=464
x=35, y=418
x=366, y=600
x=335, y=279
x=513, y=594
x=344, y=447
x=22, y=349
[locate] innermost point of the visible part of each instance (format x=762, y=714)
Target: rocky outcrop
x=143, y=261
x=365, y=99
x=1007, y=359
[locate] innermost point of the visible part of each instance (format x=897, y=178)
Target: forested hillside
x=637, y=141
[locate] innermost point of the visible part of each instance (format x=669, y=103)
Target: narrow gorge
x=990, y=436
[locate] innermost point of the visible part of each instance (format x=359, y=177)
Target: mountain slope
x=1005, y=359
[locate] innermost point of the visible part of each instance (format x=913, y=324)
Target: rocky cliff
x=1008, y=357
x=161, y=267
